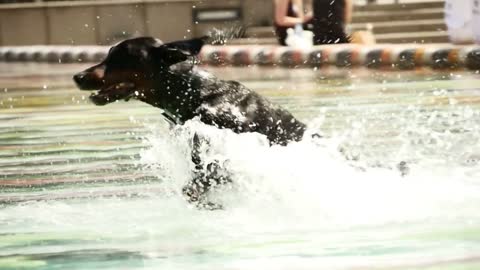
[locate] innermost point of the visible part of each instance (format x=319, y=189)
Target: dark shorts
x=327, y=32
x=324, y=33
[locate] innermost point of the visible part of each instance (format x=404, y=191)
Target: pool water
x=393, y=184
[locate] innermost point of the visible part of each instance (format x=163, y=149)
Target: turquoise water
x=85, y=187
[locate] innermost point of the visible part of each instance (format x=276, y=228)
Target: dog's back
x=229, y=104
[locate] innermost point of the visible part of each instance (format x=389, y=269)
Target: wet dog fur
x=144, y=69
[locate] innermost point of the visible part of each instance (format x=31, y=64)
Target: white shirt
x=458, y=13
x=476, y=19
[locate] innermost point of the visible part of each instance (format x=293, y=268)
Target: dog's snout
x=86, y=80
x=91, y=78
x=78, y=78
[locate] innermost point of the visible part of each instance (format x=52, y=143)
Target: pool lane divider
x=393, y=56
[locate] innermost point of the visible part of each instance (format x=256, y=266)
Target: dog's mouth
x=113, y=92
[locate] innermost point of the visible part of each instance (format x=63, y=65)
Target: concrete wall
x=258, y=12
x=106, y=22
x=169, y=21
x=203, y=27
x=24, y=26
x=72, y=25
x=119, y=21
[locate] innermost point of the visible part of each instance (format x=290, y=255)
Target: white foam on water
x=288, y=207
x=307, y=184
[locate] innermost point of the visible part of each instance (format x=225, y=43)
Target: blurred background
x=105, y=22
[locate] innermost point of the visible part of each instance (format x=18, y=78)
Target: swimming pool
x=85, y=187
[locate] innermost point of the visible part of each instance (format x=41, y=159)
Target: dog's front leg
x=197, y=187
x=204, y=177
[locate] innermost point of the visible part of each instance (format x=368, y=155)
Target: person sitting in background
x=458, y=18
x=330, y=19
x=289, y=14
x=476, y=20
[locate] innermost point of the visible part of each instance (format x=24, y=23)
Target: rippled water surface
x=394, y=183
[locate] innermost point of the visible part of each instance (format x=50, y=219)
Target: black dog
x=141, y=68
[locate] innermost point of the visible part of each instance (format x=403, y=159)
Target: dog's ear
x=179, y=51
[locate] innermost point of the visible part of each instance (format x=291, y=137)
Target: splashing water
x=222, y=36
x=308, y=182
x=304, y=206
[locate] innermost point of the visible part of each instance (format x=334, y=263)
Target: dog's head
x=131, y=66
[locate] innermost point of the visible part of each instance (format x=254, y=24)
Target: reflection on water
x=85, y=187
